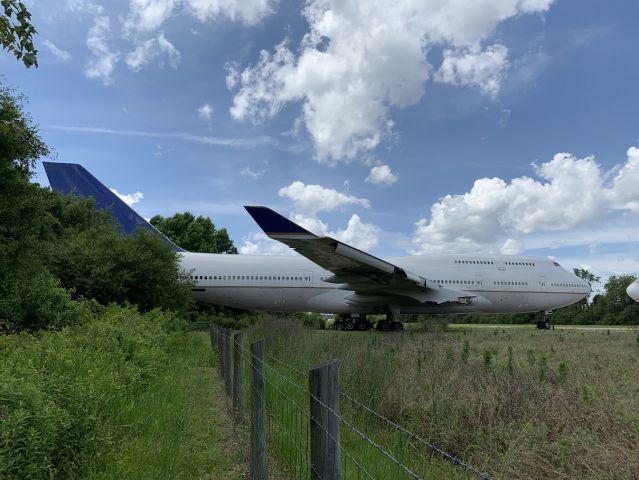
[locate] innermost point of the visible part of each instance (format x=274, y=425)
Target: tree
x=16, y=32
x=196, y=234
x=586, y=275
x=55, y=247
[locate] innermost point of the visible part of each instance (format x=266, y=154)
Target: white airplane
x=633, y=290
x=329, y=276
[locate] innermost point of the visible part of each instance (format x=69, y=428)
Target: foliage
x=195, y=234
x=16, y=32
x=63, y=392
x=55, y=248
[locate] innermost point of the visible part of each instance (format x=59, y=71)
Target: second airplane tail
x=72, y=178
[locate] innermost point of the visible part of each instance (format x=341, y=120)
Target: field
x=514, y=402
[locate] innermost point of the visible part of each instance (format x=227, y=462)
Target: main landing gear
x=361, y=323
x=389, y=325
x=352, y=322
x=545, y=323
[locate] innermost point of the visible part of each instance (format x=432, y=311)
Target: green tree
x=196, y=234
x=16, y=32
x=52, y=245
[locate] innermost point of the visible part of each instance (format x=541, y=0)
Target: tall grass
x=120, y=395
x=518, y=404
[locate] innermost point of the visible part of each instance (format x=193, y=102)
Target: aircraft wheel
x=384, y=326
x=362, y=325
x=546, y=325
x=397, y=326
x=338, y=325
x=348, y=325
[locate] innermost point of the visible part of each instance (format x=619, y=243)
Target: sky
x=407, y=127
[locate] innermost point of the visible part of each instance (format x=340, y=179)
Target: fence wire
x=400, y=455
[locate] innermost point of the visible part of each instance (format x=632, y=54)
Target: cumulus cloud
x=128, y=198
x=249, y=12
x=475, y=68
x=58, y=52
x=259, y=244
x=570, y=192
x=381, y=175
x=103, y=60
x=311, y=199
x=359, y=60
x=205, y=112
x=148, y=15
x=149, y=50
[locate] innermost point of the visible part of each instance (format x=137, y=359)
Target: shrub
x=62, y=392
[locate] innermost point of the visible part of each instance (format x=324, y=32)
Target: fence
x=296, y=419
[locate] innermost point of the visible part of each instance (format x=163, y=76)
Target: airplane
x=329, y=276
x=633, y=290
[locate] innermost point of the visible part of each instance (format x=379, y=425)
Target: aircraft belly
x=303, y=299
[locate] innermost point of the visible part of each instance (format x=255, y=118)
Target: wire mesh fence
x=302, y=424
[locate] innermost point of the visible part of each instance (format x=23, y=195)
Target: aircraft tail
x=73, y=178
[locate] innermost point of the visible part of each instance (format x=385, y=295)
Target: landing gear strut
x=545, y=323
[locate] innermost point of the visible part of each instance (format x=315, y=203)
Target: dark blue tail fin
x=74, y=178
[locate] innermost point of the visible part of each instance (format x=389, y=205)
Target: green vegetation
x=195, y=234
x=16, y=32
x=518, y=403
x=88, y=390
x=55, y=249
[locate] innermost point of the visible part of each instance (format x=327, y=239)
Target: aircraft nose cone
x=633, y=290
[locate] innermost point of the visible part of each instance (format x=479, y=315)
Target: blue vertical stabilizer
x=73, y=178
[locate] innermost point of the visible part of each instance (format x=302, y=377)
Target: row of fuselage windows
x=567, y=285
x=478, y=282
x=280, y=278
x=490, y=262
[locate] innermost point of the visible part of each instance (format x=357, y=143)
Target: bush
x=62, y=392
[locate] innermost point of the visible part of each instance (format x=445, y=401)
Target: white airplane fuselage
x=494, y=283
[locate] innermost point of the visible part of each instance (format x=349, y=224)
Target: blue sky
x=432, y=126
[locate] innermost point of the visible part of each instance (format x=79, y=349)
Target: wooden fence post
x=258, y=413
x=228, y=363
x=238, y=376
x=212, y=335
x=325, y=422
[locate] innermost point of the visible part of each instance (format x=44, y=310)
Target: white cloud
x=205, y=112
x=260, y=244
x=381, y=175
x=104, y=60
x=475, y=68
x=252, y=174
x=570, y=193
x=249, y=12
x=148, y=15
x=311, y=199
x=512, y=247
x=361, y=59
x=58, y=52
x=151, y=49
x=358, y=234
x=129, y=198
x=257, y=142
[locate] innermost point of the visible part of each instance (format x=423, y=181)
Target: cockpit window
x=556, y=264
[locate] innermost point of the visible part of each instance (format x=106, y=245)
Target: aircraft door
x=307, y=279
x=479, y=282
x=543, y=283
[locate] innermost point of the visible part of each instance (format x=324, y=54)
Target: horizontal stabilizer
x=72, y=178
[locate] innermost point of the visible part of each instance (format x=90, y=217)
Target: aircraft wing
x=353, y=269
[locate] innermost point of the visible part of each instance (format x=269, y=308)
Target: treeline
x=611, y=307
x=89, y=319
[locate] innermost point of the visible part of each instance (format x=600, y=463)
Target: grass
x=515, y=402
x=180, y=427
